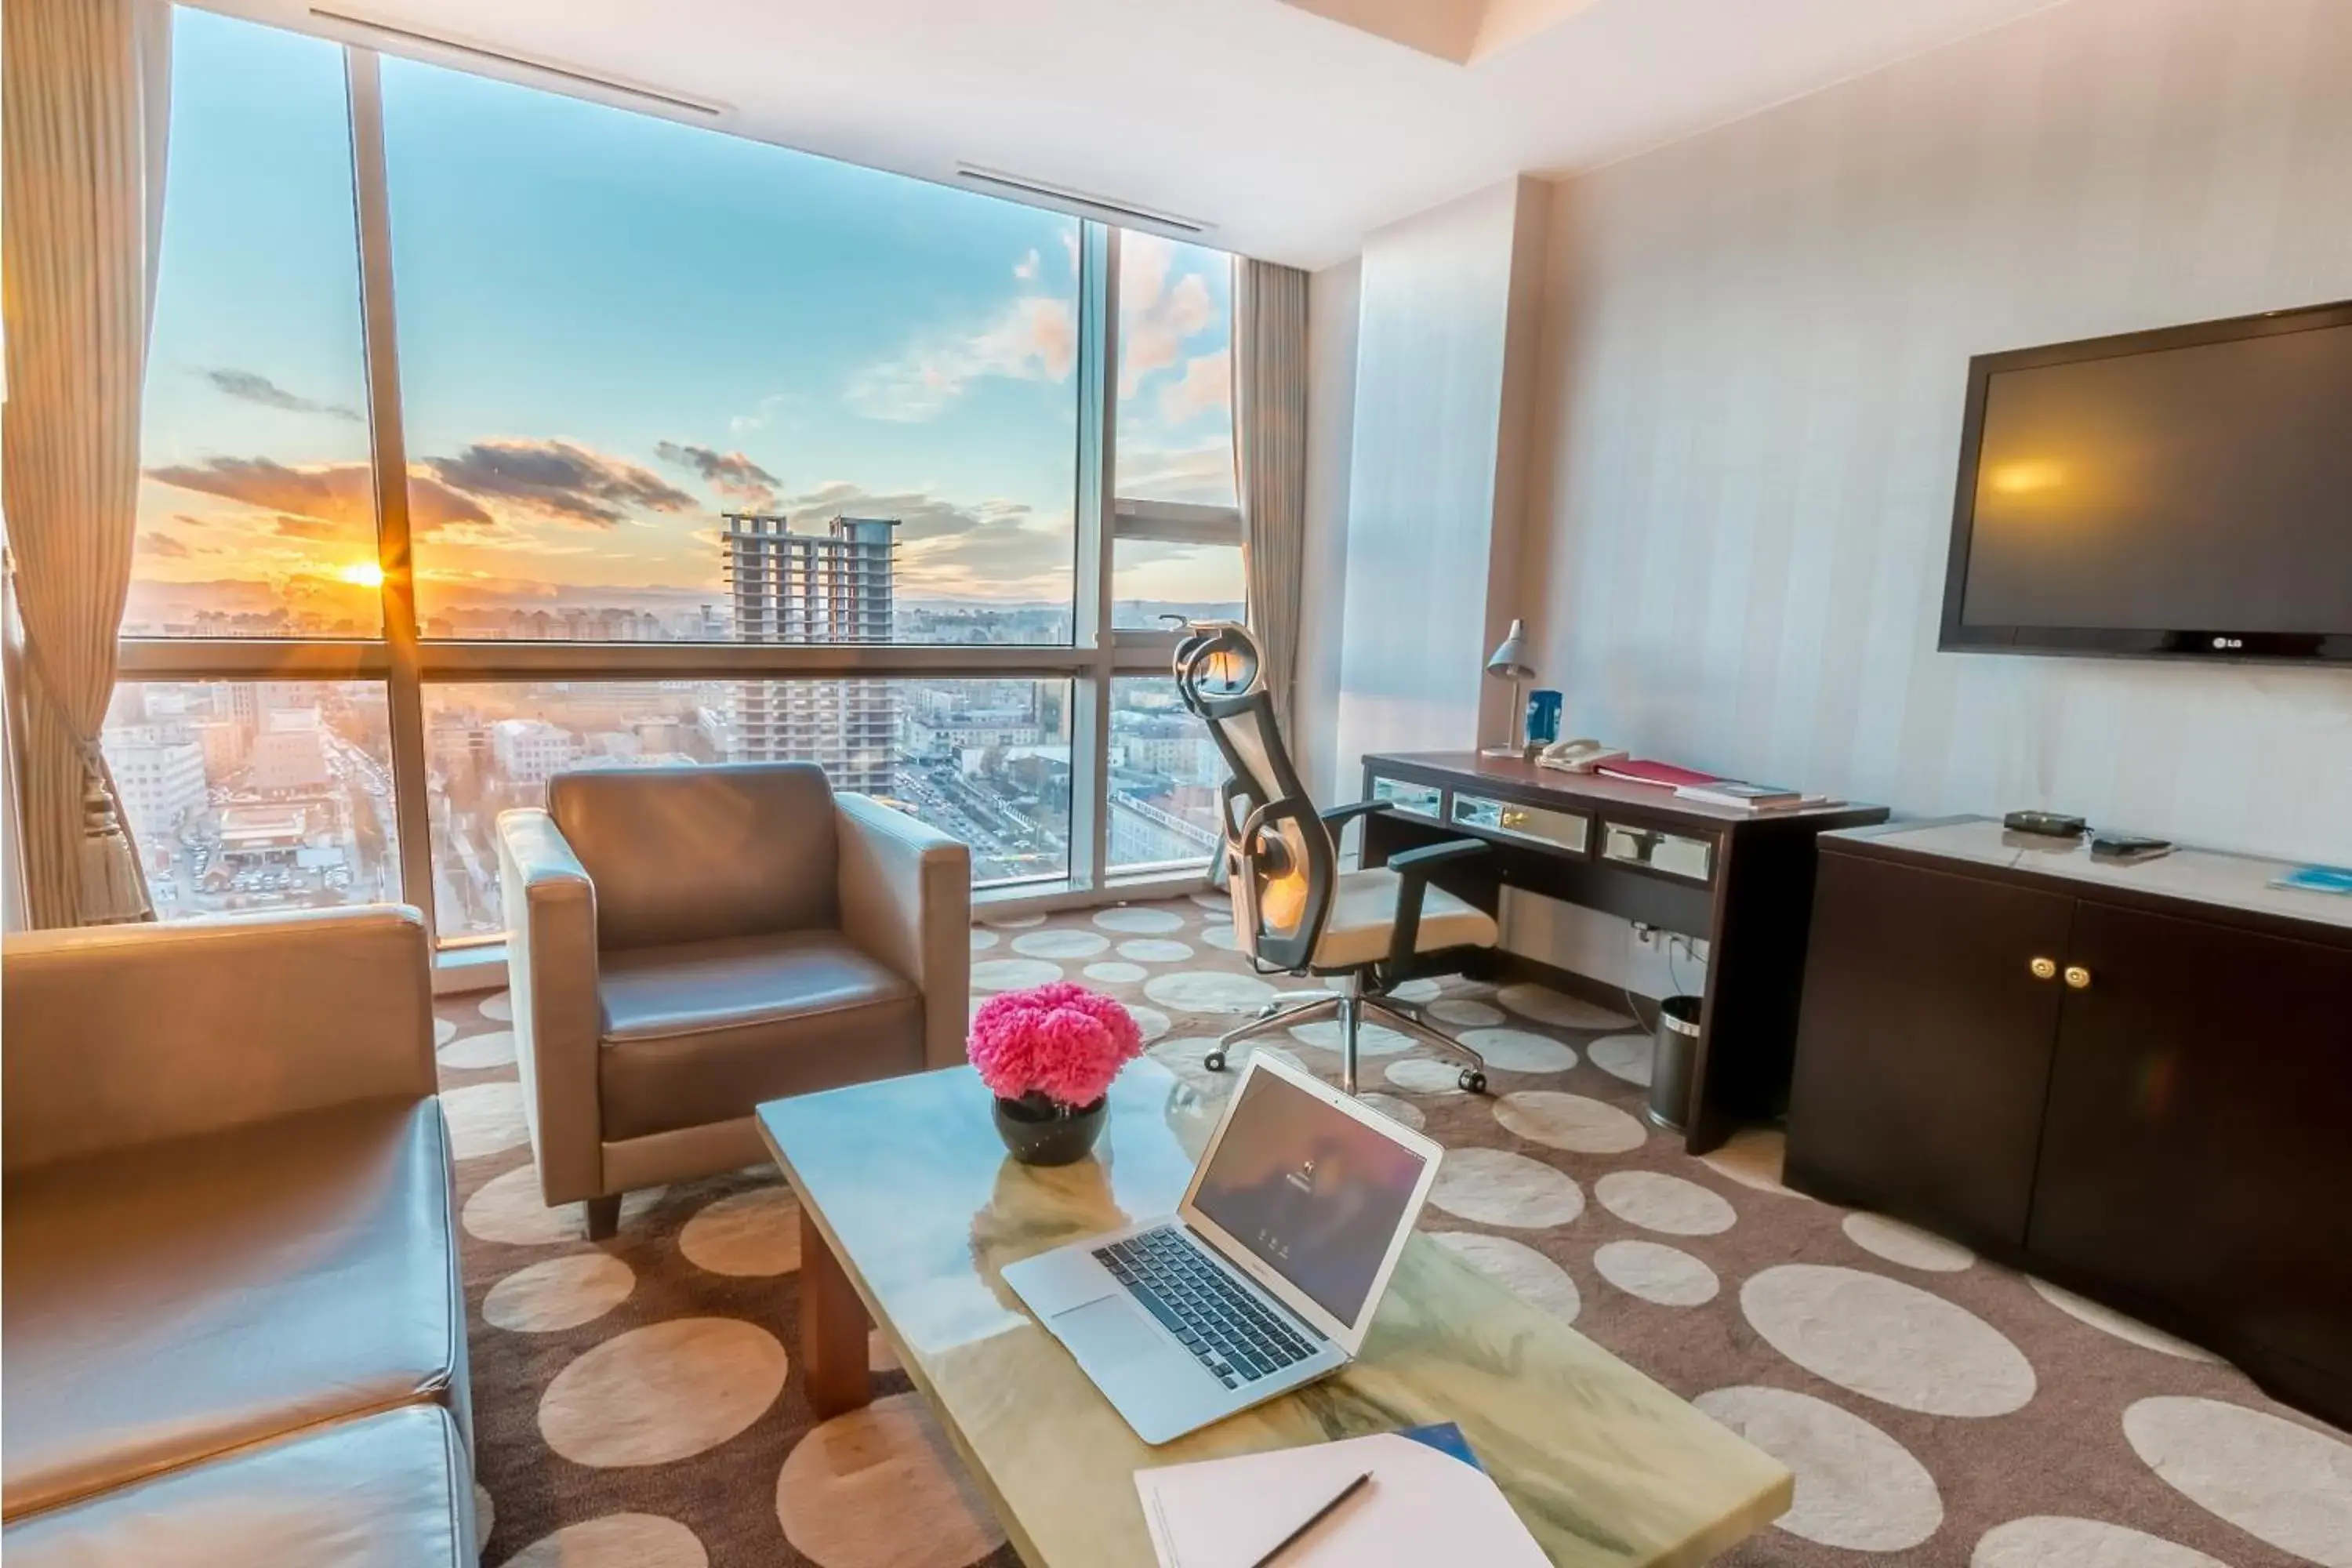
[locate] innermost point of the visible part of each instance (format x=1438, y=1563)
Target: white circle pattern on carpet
x=1395, y=1110
x=1425, y=1076
x=615, y=1540
x=484, y=1119
x=1517, y=1050
x=1857, y=1488
x=444, y=1031
x=1140, y=919
x=1545, y=1006
x=558, y=1293
x=497, y=1006
x=1625, y=1057
x=1060, y=943
x=1668, y=1204
x=1372, y=1040
x=1518, y=1269
x=1570, y=1121
x=2278, y=1481
x=1887, y=1341
x=749, y=1234
x=2107, y=1320
x=506, y=1209
x=480, y=1053
x=1661, y=1275
x=2051, y=1540
x=1153, y=950
x=1115, y=972
x=879, y=1487
x=1013, y=973
x=1465, y=1012
x=1208, y=991
x=982, y=940
x=1495, y=1186
x=1905, y=1244
x=665, y=1391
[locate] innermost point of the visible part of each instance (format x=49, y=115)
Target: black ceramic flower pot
x=1042, y=1131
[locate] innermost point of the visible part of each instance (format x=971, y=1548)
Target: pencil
x=1318, y=1517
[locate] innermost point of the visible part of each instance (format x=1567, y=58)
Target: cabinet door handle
x=2044, y=968
x=2078, y=977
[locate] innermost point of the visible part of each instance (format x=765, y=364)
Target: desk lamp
x=1510, y=662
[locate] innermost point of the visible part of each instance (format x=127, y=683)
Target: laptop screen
x=1313, y=1192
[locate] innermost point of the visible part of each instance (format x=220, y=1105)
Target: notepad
x=1430, y=1503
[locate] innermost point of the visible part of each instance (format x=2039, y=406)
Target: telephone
x=1577, y=756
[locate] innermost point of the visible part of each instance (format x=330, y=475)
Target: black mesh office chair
x=1295, y=911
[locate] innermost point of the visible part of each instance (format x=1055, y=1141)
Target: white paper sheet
x=1425, y=1508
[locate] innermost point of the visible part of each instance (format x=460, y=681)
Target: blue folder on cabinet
x=1430, y=1503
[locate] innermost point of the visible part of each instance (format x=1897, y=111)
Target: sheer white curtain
x=85, y=105
x=1270, y=452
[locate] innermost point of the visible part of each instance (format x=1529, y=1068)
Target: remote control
x=2048, y=824
x=2109, y=845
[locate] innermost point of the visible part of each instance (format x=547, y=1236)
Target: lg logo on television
x=2229, y=642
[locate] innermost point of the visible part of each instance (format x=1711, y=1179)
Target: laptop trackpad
x=1108, y=1333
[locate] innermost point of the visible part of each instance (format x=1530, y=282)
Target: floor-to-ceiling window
x=491, y=432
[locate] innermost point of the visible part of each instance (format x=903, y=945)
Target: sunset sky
x=611, y=328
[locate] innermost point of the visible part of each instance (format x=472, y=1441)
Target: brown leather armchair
x=684, y=943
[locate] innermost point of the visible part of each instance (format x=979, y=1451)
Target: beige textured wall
x=1333, y=296
x=1748, y=412
x=1447, y=321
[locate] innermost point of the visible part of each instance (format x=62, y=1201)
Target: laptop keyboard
x=1227, y=1329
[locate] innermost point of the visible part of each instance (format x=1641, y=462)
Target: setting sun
x=363, y=574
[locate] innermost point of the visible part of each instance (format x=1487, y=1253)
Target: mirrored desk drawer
x=1675, y=853
x=1561, y=829
x=1419, y=799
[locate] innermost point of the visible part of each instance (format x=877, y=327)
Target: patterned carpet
x=638, y=1403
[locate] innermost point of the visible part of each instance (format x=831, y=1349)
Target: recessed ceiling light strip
x=521, y=62
x=1062, y=195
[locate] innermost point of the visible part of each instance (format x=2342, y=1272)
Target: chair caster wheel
x=1214, y=1061
x=1474, y=1080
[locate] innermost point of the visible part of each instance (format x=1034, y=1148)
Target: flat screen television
x=2185, y=493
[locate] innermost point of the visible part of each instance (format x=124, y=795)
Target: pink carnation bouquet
x=1060, y=1042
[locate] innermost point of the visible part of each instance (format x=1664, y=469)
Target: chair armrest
x=906, y=899
x=1338, y=816
x=551, y=974
x=1414, y=868
x=133, y=1034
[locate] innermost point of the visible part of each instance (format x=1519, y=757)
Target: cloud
x=1154, y=330
x=731, y=474
x=989, y=549
x=338, y=494
x=558, y=480
x=1203, y=473
x=250, y=386
x=157, y=543
x=1034, y=338
x=1026, y=268
x=1207, y=383
x=289, y=526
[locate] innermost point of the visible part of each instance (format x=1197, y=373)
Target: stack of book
x=1748, y=796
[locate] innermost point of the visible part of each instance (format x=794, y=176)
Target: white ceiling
x=1292, y=135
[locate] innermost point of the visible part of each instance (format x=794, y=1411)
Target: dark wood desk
x=1740, y=881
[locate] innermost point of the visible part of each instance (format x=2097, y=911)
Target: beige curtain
x=1270, y=451
x=82, y=116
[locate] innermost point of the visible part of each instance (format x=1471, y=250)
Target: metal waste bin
x=1670, y=1064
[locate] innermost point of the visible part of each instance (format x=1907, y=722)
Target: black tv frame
x=2185, y=642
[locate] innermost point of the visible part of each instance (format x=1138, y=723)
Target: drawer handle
x=2044, y=968
x=2078, y=977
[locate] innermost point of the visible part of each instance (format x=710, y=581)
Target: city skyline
x=612, y=329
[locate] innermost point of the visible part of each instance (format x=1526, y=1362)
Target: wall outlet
x=1646, y=935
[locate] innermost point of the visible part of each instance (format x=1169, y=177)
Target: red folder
x=1665, y=776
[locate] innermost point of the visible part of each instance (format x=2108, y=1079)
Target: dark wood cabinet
x=1924, y=1045
x=2198, y=1145
x=2138, y=1086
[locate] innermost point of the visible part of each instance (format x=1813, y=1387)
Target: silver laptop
x=1268, y=1275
